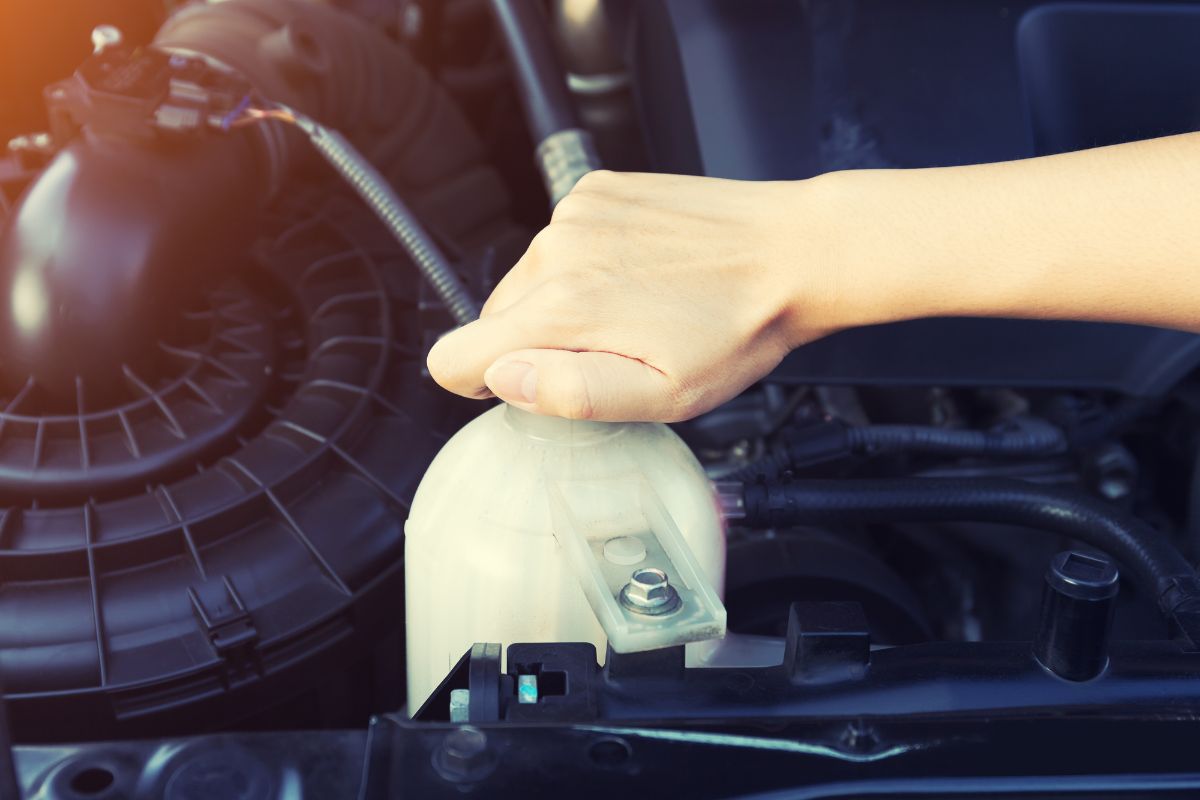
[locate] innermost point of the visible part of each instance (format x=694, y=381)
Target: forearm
x=658, y=297
x=1105, y=234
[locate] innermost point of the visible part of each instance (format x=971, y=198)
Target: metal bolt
x=464, y=755
x=650, y=592
x=460, y=705
x=105, y=36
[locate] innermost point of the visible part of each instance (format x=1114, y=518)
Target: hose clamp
x=563, y=158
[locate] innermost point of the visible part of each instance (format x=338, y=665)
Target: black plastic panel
x=1031, y=354
x=780, y=89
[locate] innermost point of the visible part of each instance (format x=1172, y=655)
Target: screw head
x=649, y=591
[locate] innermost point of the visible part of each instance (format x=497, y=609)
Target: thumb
x=597, y=386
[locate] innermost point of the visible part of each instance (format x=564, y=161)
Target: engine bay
x=950, y=556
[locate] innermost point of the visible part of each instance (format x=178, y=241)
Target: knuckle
x=541, y=241
x=553, y=241
x=586, y=183
x=570, y=207
x=596, y=179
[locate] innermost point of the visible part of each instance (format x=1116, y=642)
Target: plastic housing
x=217, y=543
x=482, y=561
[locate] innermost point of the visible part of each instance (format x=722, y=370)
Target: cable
x=536, y=72
x=564, y=150
x=1024, y=437
x=378, y=194
x=1153, y=562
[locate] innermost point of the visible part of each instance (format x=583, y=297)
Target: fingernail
x=516, y=380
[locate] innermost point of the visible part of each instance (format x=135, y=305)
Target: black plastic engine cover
x=781, y=89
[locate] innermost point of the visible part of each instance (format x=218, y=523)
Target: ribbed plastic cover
x=256, y=511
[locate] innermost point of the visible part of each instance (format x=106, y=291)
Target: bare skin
x=658, y=297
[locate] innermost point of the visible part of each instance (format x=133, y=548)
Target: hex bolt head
x=649, y=591
x=464, y=755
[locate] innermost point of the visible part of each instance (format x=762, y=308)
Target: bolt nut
x=464, y=755
x=649, y=591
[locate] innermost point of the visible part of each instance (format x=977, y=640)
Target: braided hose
x=374, y=189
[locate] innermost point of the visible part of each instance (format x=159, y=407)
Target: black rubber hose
x=1026, y=438
x=1151, y=560
x=543, y=92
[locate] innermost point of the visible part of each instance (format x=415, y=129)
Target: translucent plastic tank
x=530, y=529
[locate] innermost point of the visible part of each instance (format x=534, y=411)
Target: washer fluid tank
x=539, y=529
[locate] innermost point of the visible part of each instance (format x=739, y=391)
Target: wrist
x=892, y=245
x=840, y=268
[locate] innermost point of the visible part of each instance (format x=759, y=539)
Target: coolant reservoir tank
x=530, y=529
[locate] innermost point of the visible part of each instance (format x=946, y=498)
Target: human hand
x=657, y=297
x=648, y=297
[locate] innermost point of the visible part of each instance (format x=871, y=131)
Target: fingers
x=458, y=360
x=596, y=386
x=495, y=356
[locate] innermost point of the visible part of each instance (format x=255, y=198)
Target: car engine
x=940, y=557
